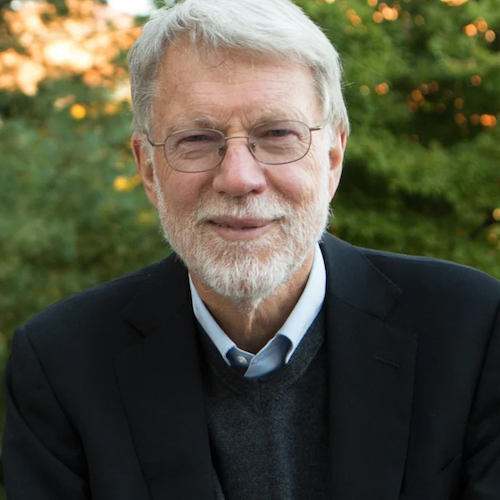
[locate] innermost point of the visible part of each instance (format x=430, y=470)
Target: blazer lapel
x=160, y=382
x=371, y=376
x=371, y=372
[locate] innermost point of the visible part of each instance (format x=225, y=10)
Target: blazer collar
x=164, y=294
x=353, y=279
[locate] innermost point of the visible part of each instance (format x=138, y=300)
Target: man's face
x=244, y=228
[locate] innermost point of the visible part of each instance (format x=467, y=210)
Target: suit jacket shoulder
x=98, y=315
x=438, y=288
x=418, y=281
x=440, y=273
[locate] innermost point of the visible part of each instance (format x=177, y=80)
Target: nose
x=240, y=173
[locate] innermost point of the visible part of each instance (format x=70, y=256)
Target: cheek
x=181, y=191
x=300, y=183
x=310, y=175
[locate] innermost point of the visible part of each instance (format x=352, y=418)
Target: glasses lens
x=194, y=150
x=280, y=142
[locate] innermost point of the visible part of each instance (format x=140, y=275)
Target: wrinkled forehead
x=193, y=73
x=182, y=59
x=203, y=53
x=181, y=53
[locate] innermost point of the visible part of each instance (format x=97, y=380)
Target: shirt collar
x=296, y=325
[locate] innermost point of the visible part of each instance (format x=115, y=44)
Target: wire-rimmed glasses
x=272, y=143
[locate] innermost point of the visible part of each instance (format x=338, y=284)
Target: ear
x=337, y=149
x=145, y=166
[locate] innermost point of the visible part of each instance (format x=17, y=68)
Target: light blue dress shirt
x=293, y=330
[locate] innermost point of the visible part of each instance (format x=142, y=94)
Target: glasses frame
x=226, y=138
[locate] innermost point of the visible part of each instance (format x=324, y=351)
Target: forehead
x=231, y=84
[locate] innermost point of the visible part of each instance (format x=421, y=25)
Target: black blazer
x=104, y=398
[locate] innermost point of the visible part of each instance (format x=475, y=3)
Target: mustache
x=254, y=207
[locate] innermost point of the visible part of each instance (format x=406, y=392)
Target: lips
x=240, y=223
x=240, y=228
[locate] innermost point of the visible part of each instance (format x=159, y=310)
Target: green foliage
x=416, y=181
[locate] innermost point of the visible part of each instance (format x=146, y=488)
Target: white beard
x=246, y=271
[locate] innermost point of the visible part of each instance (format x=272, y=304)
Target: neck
x=251, y=326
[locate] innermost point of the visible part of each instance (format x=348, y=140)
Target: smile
x=235, y=228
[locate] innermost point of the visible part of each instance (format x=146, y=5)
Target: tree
x=421, y=173
x=71, y=209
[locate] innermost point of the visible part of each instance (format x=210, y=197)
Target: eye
x=196, y=138
x=193, y=139
x=278, y=132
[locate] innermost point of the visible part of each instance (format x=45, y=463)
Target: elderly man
x=255, y=363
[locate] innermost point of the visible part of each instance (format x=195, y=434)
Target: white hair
x=269, y=27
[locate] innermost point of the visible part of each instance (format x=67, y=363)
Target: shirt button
x=242, y=360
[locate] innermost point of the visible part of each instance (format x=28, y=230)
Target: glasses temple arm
x=154, y=144
x=318, y=127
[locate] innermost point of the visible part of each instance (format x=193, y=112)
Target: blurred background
x=422, y=171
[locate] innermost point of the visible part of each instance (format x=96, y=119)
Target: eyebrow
x=205, y=122
x=189, y=123
x=274, y=115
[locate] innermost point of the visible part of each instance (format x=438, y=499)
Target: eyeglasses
x=203, y=149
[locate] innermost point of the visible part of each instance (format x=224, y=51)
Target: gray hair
x=269, y=27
